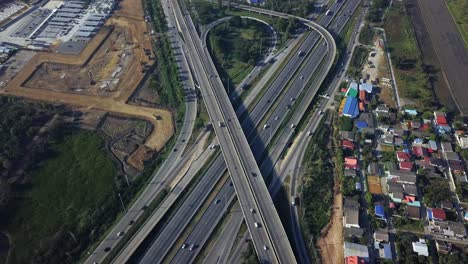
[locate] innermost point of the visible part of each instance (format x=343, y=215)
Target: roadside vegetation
x=317, y=182
x=410, y=73
x=166, y=79
x=238, y=45
x=66, y=202
x=459, y=10
x=377, y=10
x=296, y=7
x=249, y=256
x=357, y=62
x=366, y=36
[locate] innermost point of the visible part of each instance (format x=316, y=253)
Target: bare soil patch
x=66, y=78
x=330, y=244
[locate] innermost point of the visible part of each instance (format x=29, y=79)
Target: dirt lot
x=377, y=69
x=449, y=47
x=100, y=76
x=374, y=185
x=125, y=32
x=331, y=245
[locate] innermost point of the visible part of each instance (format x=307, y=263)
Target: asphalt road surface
x=161, y=178
x=204, y=233
x=265, y=226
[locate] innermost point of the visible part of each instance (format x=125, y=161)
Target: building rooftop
x=351, y=107
x=353, y=249
x=413, y=212
x=381, y=235
x=420, y=247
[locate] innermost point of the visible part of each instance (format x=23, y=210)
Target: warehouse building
x=350, y=108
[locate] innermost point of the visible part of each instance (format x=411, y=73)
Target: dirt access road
x=129, y=16
x=330, y=244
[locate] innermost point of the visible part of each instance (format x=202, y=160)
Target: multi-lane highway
x=162, y=178
x=270, y=240
x=206, y=228
x=260, y=115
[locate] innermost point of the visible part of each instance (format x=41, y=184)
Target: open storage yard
x=103, y=76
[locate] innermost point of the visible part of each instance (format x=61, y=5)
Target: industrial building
x=350, y=108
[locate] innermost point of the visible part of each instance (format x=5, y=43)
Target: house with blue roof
x=350, y=108
x=380, y=211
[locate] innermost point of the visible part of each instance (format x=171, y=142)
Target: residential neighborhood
x=405, y=185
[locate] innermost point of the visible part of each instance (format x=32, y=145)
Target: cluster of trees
x=376, y=10
x=405, y=249
x=166, y=80
x=228, y=43
x=286, y=27
x=318, y=182
x=295, y=7
x=208, y=12
x=19, y=122
x=357, y=62
x=434, y=191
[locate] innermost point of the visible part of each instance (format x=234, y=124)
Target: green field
x=237, y=46
x=412, y=81
x=459, y=10
x=69, y=195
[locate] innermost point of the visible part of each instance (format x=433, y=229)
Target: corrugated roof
x=351, y=107
x=379, y=210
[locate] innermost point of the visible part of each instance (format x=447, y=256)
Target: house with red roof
x=351, y=163
x=406, y=165
x=346, y=144
x=440, y=118
x=354, y=260
x=402, y=156
x=441, y=123
x=419, y=151
x=436, y=214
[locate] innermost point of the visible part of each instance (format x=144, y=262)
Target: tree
x=235, y=21
x=346, y=123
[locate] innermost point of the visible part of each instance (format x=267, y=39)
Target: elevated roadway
x=203, y=230
x=270, y=240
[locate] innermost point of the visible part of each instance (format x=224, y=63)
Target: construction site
x=102, y=77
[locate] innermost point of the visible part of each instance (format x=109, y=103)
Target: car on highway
x=277, y=117
x=257, y=225
x=107, y=249
x=252, y=210
x=184, y=246
x=217, y=201
x=121, y=233
x=131, y=222
x=302, y=77
x=265, y=248
x=192, y=247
